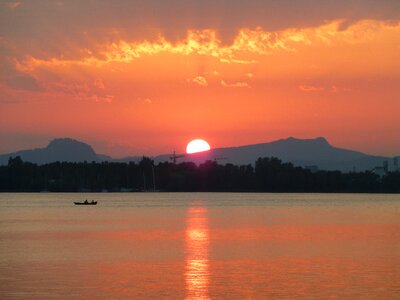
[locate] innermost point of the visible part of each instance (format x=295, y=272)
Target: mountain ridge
x=316, y=153
x=58, y=149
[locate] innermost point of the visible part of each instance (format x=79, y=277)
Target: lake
x=200, y=246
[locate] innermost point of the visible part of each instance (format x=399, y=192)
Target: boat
x=86, y=203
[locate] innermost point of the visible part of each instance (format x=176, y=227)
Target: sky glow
x=145, y=82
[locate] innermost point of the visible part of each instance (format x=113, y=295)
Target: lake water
x=200, y=246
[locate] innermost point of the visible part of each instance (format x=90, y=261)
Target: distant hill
x=313, y=153
x=301, y=152
x=64, y=149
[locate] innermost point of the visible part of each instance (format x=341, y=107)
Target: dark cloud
x=23, y=82
x=14, y=79
x=59, y=26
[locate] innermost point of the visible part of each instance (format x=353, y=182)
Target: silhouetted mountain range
x=64, y=149
x=301, y=152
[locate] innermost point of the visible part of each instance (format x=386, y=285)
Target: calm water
x=200, y=246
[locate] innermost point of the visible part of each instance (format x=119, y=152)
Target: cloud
x=23, y=82
x=13, y=78
x=310, y=88
x=237, y=61
x=140, y=19
x=146, y=100
x=79, y=90
x=313, y=88
x=249, y=46
x=12, y=5
x=336, y=89
x=199, y=80
x=235, y=84
x=112, y=70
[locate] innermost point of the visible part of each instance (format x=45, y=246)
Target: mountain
x=312, y=153
x=301, y=152
x=64, y=149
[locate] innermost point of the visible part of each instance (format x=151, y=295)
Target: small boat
x=86, y=203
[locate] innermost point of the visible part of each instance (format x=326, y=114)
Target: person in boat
x=86, y=202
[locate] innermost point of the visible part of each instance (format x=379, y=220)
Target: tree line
x=266, y=175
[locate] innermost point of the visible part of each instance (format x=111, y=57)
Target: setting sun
x=197, y=146
x=290, y=115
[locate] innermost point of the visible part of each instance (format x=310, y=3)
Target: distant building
x=392, y=165
x=387, y=166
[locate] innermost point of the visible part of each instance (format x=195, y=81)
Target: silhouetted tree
x=267, y=175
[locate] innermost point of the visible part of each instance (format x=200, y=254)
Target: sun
x=197, y=145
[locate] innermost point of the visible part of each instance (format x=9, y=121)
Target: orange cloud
x=199, y=80
x=235, y=84
x=258, y=80
x=146, y=100
x=311, y=88
x=249, y=47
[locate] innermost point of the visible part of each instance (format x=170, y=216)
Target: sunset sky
x=146, y=77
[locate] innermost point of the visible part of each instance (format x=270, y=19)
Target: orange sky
x=149, y=94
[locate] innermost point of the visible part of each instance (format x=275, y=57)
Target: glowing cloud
x=204, y=83
x=199, y=80
x=248, y=47
x=311, y=88
x=235, y=84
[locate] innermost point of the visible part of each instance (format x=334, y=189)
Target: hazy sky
x=146, y=77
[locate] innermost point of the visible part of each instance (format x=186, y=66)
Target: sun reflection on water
x=197, y=247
